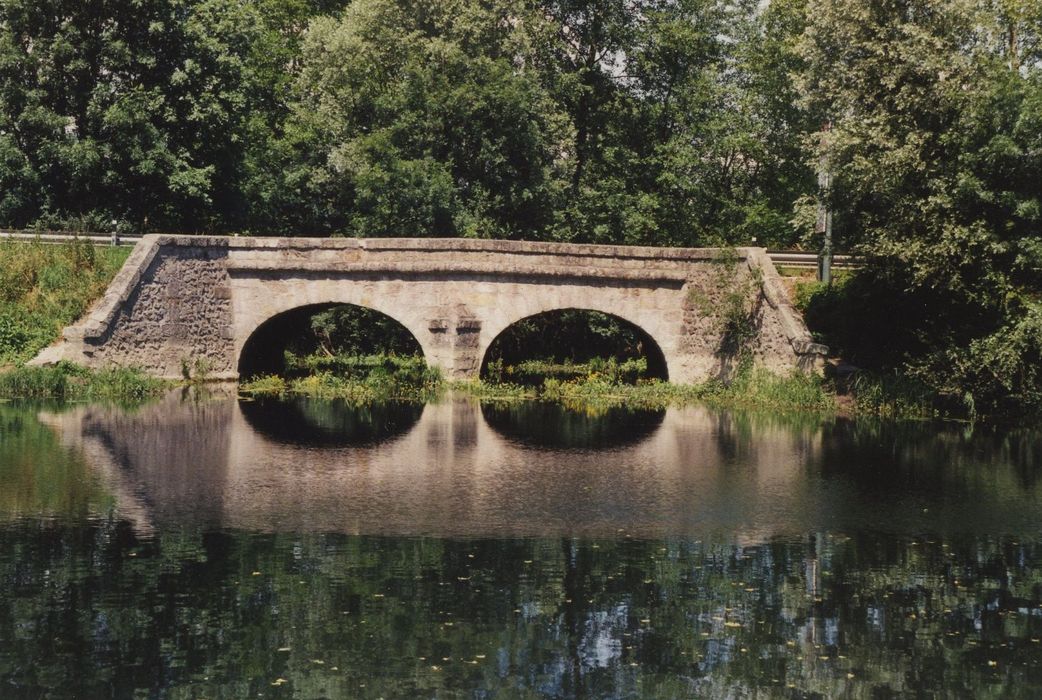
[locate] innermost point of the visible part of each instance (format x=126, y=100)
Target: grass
x=534, y=372
x=752, y=388
x=595, y=384
x=66, y=381
x=44, y=288
x=897, y=396
x=356, y=378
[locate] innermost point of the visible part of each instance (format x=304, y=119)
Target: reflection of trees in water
x=298, y=420
x=932, y=458
x=548, y=424
x=40, y=476
x=834, y=616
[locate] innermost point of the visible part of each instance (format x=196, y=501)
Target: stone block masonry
x=190, y=303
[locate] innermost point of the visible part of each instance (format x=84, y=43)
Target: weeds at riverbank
x=356, y=378
x=599, y=383
x=44, y=288
x=899, y=396
x=752, y=388
x=66, y=381
x=535, y=372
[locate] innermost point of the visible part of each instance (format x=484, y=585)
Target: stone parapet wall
x=189, y=304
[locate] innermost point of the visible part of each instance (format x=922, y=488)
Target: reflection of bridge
x=184, y=302
x=451, y=472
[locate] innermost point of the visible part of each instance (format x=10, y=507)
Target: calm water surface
x=205, y=547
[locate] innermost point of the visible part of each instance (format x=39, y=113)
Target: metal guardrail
x=808, y=260
x=778, y=257
x=58, y=237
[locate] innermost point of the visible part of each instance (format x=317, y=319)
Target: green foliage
x=570, y=337
x=72, y=382
x=894, y=396
x=533, y=372
x=751, y=387
x=265, y=385
x=43, y=288
x=653, y=122
x=357, y=378
x=355, y=330
x=935, y=155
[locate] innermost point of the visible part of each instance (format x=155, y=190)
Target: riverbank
x=66, y=381
x=387, y=378
x=46, y=287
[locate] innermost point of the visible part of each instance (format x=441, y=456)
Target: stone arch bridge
x=193, y=302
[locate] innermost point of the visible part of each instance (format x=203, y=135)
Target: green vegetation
x=751, y=388
x=690, y=122
x=571, y=343
x=934, y=148
x=72, y=382
x=654, y=121
x=354, y=378
x=44, y=288
x=534, y=372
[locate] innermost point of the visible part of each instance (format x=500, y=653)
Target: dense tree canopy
x=644, y=121
x=936, y=147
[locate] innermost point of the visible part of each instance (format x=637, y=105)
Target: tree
x=425, y=119
x=936, y=158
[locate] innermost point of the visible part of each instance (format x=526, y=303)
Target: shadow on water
x=551, y=425
x=333, y=423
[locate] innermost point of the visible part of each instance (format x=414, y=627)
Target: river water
x=206, y=547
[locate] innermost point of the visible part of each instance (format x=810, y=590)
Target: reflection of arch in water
x=330, y=423
x=551, y=425
x=262, y=353
x=657, y=366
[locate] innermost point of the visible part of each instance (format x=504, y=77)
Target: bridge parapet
x=190, y=303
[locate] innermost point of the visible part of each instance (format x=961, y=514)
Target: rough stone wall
x=196, y=301
x=174, y=317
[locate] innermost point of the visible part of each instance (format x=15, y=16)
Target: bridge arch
x=658, y=364
x=260, y=351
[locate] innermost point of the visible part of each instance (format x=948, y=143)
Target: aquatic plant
x=73, y=382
